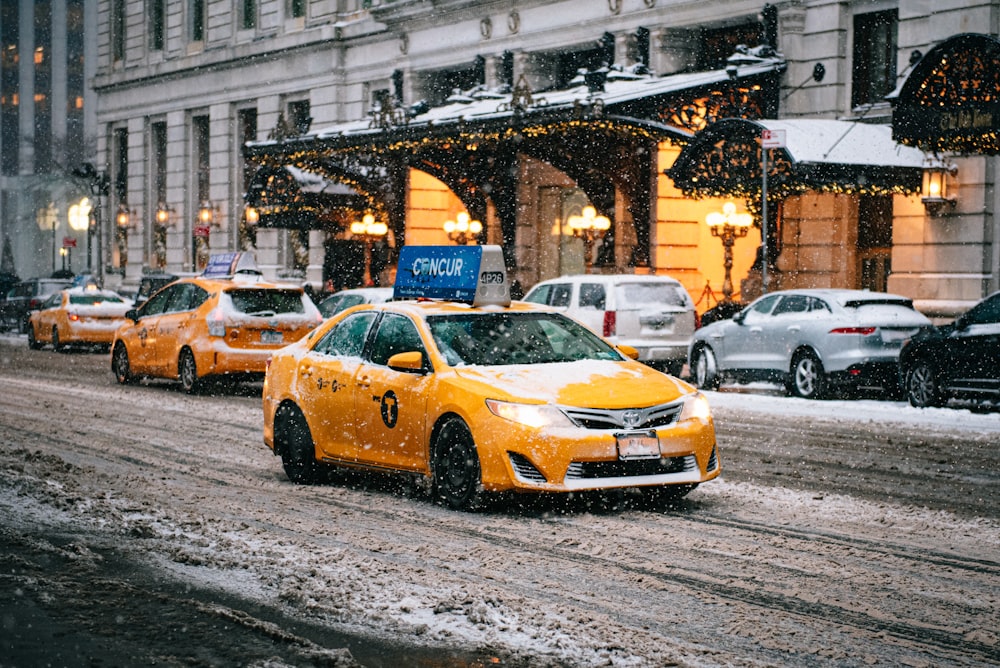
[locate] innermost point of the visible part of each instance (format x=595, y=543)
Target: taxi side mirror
x=628, y=351
x=132, y=314
x=408, y=361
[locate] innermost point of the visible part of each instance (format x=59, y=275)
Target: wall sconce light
x=251, y=216
x=206, y=214
x=934, y=193
x=462, y=230
x=162, y=216
x=728, y=226
x=123, y=218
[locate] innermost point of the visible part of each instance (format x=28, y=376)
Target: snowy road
x=841, y=534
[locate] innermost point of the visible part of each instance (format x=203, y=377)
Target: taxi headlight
x=696, y=408
x=530, y=415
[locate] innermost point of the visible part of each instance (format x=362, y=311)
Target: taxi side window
x=185, y=297
x=158, y=302
x=347, y=338
x=396, y=334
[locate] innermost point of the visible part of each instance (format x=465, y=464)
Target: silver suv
x=653, y=314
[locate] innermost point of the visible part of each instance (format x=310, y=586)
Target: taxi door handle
x=306, y=372
x=364, y=381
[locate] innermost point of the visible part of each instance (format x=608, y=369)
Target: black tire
x=56, y=344
x=457, y=474
x=298, y=452
x=922, y=387
x=705, y=369
x=33, y=343
x=120, y=365
x=808, y=379
x=187, y=372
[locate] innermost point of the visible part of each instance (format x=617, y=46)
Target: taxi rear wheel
x=457, y=480
x=187, y=371
x=298, y=453
x=56, y=343
x=120, y=365
x=33, y=343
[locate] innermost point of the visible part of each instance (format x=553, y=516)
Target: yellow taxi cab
x=83, y=315
x=223, y=323
x=475, y=394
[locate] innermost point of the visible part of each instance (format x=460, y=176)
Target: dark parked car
x=960, y=360
x=27, y=296
x=151, y=283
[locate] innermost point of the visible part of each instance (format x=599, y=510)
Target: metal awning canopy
x=950, y=102
x=724, y=159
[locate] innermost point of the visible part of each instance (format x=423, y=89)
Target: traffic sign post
x=768, y=139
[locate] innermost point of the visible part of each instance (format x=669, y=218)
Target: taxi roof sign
x=472, y=274
x=221, y=265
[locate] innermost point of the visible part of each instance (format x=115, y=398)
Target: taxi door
x=143, y=333
x=174, y=327
x=326, y=387
x=390, y=406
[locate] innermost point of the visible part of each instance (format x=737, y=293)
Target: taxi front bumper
x=515, y=457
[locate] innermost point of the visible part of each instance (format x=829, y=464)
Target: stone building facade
x=367, y=95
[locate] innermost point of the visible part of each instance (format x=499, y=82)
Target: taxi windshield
x=490, y=339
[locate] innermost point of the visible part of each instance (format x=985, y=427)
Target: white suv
x=653, y=314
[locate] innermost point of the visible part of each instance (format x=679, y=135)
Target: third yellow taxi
x=476, y=394
x=223, y=323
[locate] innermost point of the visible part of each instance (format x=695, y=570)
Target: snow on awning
x=819, y=154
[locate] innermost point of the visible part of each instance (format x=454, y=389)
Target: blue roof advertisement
x=454, y=273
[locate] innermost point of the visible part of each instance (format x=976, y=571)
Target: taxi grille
x=626, y=418
x=636, y=467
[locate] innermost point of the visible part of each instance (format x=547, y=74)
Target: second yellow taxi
x=78, y=316
x=477, y=394
x=224, y=323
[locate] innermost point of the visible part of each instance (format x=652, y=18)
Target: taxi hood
x=585, y=383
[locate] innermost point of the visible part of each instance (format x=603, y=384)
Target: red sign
x=772, y=138
x=69, y=242
x=202, y=231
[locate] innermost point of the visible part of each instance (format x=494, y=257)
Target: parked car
x=811, y=340
x=653, y=314
x=345, y=299
x=960, y=360
x=28, y=296
x=84, y=316
x=217, y=324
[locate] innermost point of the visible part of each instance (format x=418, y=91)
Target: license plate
x=271, y=337
x=638, y=446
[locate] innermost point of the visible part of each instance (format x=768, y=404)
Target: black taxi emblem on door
x=390, y=409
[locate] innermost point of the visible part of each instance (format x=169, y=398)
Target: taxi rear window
x=254, y=301
x=94, y=299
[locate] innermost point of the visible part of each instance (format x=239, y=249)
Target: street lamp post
x=368, y=230
x=589, y=227
x=462, y=230
x=728, y=226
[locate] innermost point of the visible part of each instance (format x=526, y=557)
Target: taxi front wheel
x=120, y=365
x=457, y=480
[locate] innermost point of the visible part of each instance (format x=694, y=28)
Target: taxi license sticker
x=389, y=409
x=644, y=445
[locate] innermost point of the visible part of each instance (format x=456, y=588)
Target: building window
x=10, y=136
x=248, y=14
x=157, y=18
x=197, y=23
x=874, y=74
x=718, y=44
x=298, y=116
x=200, y=126
x=118, y=30
x=43, y=87
x=297, y=8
